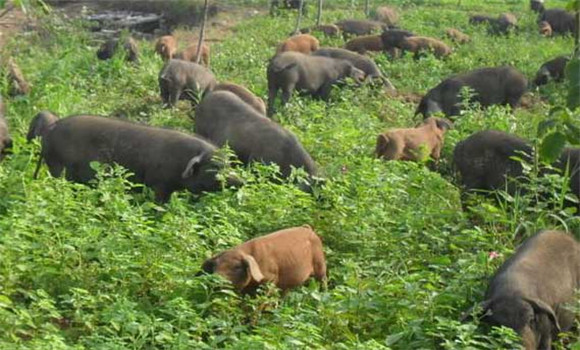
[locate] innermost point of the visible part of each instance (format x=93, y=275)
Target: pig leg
x=324, y=91
x=174, y=95
x=320, y=269
x=162, y=194
x=287, y=93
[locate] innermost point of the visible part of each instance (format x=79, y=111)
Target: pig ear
x=253, y=268
x=540, y=306
x=190, y=166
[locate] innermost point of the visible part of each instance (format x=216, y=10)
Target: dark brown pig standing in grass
x=224, y=118
x=362, y=44
x=183, y=80
x=42, y=123
x=529, y=290
x=108, y=49
x=365, y=64
x=503, y=85
x=291, y=71
x=287, y=258
x=412, y=143
x=561, y=21
x=330, y=30
x=552, y=70
x=421, y=44
x=360, y=27
x=162, y=159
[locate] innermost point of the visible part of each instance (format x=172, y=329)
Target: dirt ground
x=12, y=20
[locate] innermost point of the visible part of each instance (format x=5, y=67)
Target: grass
x=104, y=268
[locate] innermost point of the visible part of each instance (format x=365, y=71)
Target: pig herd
x=526, y=294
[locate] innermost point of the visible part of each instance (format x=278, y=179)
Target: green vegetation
x=104, y=267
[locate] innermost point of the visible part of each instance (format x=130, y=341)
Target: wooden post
x=299, y=18
x=319, y=15
x=202, y=32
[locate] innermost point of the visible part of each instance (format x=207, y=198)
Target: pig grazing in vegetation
x=503, y=85
x=5, y=139
x=166, y=47
x=551, y=70
x=330, y=30
x=304, y=43
x=414, y=143
x=184, y=80
x=457, y=36
x=386, y=15
x=314, y=74
x=17, y=84
x=365, y=64
x=287, y=258
x=392, y=39
x=421, y=44
x=561, y=21
x=485, y=161
x=505, y=23
x=529, y=290
x=481, y=19
x=190, y=54
x=537, y=6
x=366, y=43
x=222, y=117
x=162, y=159
x=108, y=49
x=545, y=28
x=245, y=94
x=360, y=27
x=40, y=125
x=569, y=164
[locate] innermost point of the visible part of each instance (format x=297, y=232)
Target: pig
x=410, y=144
x=386, y=15
x=190, y=54
x=162, y=159
x=421, y=44
x=5, y=139
x=166, y=47
x=222, y=117
x=481, y=19
x=362, y=44
x=365, y=64
x=108, y=49
x=313, y=74
x=392, y=39
x=17, y=84
x=504, y=23
x=42, y=123
x=545, y=28
x=503, y=85
x=359, y=27
x=184, y=80
x=330, y=30
x=561, y=21
x=529, y=290
x=303, y=43
x=246, y=95
x=551, y=70
x=287, y=258
x=457, y=36
x=484, y=160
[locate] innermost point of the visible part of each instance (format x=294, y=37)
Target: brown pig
x=457, y=36
x=362, y=44
x=286, y=258
x=303, y=43
x=190, y=54
x=420, y=44
x=545, y=28
x=407, y=144
x=166, y=47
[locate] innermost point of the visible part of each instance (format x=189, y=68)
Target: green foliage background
x=103, y=267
